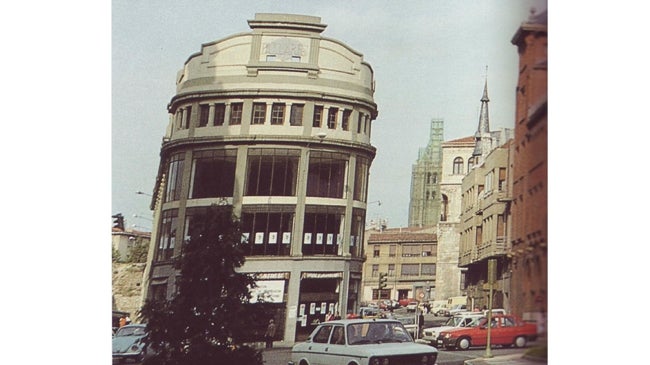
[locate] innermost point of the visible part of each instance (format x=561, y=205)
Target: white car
x=411, y=307
x=430, y=335
x=409, y=324
x=362, y=342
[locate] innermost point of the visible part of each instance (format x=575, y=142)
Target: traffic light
x=118, y=221
x=382, y=280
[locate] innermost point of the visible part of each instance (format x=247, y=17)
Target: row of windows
x=269, y=172
x=217, y=115
x=270, y=233
x=408, y=269
x=408, y=250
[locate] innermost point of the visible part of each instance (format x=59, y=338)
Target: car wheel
x=520, y=341
x=463, y=343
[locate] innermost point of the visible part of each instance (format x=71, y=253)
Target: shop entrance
x=317, y=298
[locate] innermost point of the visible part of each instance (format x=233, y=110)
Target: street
x=280, y=356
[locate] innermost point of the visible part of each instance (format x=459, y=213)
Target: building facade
x=483, y=229
x=407, y=256
x=528, y=229
x=275, y=122
x=125, y=240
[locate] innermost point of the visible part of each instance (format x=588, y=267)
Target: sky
x=430, y=60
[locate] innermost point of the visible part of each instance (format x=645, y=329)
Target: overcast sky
x=429, y=59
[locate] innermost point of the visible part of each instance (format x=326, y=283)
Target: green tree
x=210, y=318
x=138, y=252
x=115, y=253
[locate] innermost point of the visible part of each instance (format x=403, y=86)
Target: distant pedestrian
x=420, y=323
x=122, y=321
x=128, y=319
x=269, y=334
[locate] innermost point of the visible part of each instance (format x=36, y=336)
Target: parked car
x=409, y=324
x=404, y=302
x=505, y=330
x=430, y=335
x=368, y=312
x=128, y=343
x=456, y=309
x=411, y=307
x=362, y=342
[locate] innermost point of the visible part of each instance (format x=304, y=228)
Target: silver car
x=362, y=342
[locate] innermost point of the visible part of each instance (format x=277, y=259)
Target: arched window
x=471, y=162
x=458, y=165
x=444, y=208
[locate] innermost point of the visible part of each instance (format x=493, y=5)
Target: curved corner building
x=275, y=122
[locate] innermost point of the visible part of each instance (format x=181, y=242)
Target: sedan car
x=505, y=330
x=128, y=343
x=362, y=342
x=467, y=320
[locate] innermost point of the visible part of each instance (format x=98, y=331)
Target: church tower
x=482, y=135
x=424, y=207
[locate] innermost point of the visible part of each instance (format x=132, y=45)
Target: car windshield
x=377, y=332
x=130, y=331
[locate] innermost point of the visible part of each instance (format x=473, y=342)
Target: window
x=272, y=172
x=277, y=114
x=318, y=116
x=359, y=122
x=338, y=336
x=296, y=114
x=361, y=179
x=502, y=179
x=410, y=269
x=375, y=271
x=204, y=113
x=174, y=178
x=391, y=250
x=444, y=210
x=501, y=228
x=159, y=291
x=411, y=250
x=167, y=239
x=428, y=269
x=326, y=175
x=331, y=118
x=375, y=252
x=488, y=181
x=188, y=116
x=323, y=334
x=356, y=234
x=213, y=174
x=391, y=269
x=458, y=166
x=219, y=114
x=269, y=233
x=345, y=122
x=322, y=230
x=259, y=113
x=427, y=250
x=479, y=235
x=471, y=163
x=236, y=110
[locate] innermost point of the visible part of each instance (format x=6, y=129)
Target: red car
x=505, y=330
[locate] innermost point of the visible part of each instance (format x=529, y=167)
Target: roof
x=459, y=141
x=401, y=237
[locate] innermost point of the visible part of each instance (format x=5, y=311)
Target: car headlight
x=379, y=361
x=447, y=335
x=135, y=348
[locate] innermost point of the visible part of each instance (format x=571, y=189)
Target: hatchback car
x=128, y=343
x=362, y=342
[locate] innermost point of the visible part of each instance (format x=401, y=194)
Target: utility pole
x=492, y=281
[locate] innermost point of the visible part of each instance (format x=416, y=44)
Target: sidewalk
x=516, y=359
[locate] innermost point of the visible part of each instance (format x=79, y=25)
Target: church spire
x=482, y=135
